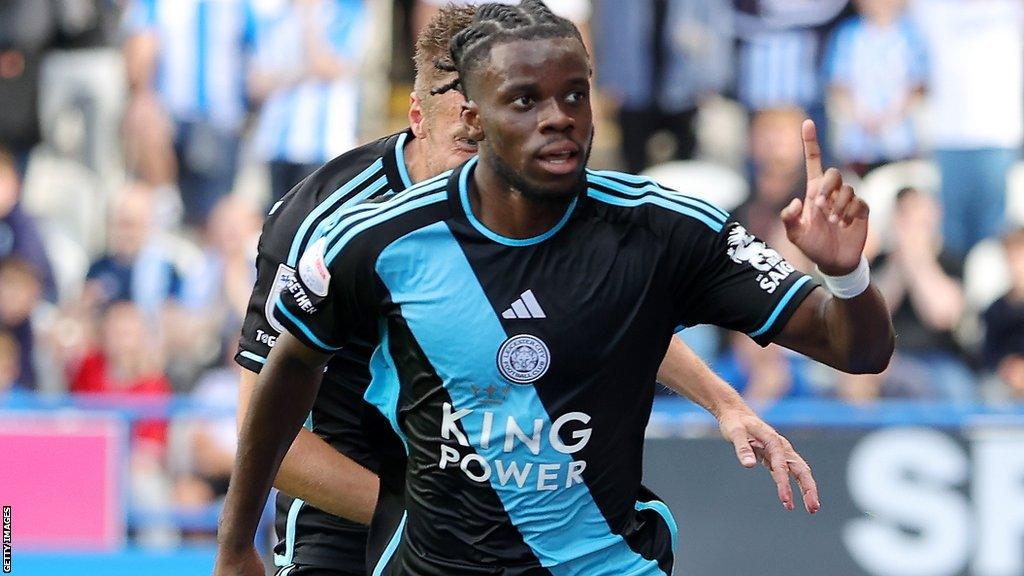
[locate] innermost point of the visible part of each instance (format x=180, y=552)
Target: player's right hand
x=830, y=225
x=242, y=563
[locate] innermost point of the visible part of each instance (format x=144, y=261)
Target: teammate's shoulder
x=356, y=175
x=641, y=197
x=356, y=161
x=378, y=222
x=426, y=192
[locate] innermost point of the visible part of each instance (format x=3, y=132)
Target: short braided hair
x=496, y=24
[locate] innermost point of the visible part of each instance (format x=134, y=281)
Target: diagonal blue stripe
x=353, y=215
x=326, y=205
x=651, y=188
x=385, y=212
x=657, y=201
x=331, y=219
x=780, y=306
x=452, y=320
x=649, y=185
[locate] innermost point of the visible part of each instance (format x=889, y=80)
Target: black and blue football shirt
x=519, y=373
x=307, y=535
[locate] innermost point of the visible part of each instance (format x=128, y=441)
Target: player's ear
x=416, y=115
x=471, y=120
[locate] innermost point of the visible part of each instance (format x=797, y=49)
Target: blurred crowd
x=143, y=141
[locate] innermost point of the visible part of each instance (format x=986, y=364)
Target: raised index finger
x=812, y=150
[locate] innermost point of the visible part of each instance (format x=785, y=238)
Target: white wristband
x=850, y=285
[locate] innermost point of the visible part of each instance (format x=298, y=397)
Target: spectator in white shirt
x=976, y=87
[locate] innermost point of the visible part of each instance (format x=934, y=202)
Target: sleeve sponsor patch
x=313, y=269
x=282, y=277
x=745, y=248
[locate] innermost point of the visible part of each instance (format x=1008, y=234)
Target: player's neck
x=503, y=209
x=416, y=160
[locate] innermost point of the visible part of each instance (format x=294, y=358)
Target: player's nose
x=554, y=118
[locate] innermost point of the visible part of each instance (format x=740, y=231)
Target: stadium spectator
x=578, y=11
x=135, y=266
x=213, y=438
x=215, y=291
x=976, y=86
x=19, y=235
x=657, y=61
x=123, y=368
x=871, y=104
x=20, y=295
x=305, y=74
x=921, y=282
x=779, y=52
x=775, y=168
x=186, y=74
x=776, y=177
x=84, y=73
x=126, y=364
x=224, y=278
x=10, y=363
x=26, y=30
x=1004, y=324
x=764, y=375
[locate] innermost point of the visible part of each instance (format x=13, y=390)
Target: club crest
x=523, y=359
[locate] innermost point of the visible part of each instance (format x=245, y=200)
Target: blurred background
x=143, y=141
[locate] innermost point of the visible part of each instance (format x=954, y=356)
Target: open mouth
x=560, y=159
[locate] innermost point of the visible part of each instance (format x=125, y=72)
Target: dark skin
x=531, y=98
x=538, y=123
x=529, y=109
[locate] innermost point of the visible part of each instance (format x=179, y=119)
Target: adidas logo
x=526, y=306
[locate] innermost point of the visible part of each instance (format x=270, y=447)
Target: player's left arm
x=830, y=225
x=753, y=439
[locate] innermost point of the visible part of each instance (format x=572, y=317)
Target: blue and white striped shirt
x=779, y=68
x=314, y=120
x=879, y=67
x=203, y=49
x=698, y=46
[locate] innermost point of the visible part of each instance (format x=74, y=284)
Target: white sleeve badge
x=313, y=269
x=744, y=248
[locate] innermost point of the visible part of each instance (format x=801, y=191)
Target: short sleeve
x=274, y=270
x=330, y=295
x=742, y=284
x=309, y=302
